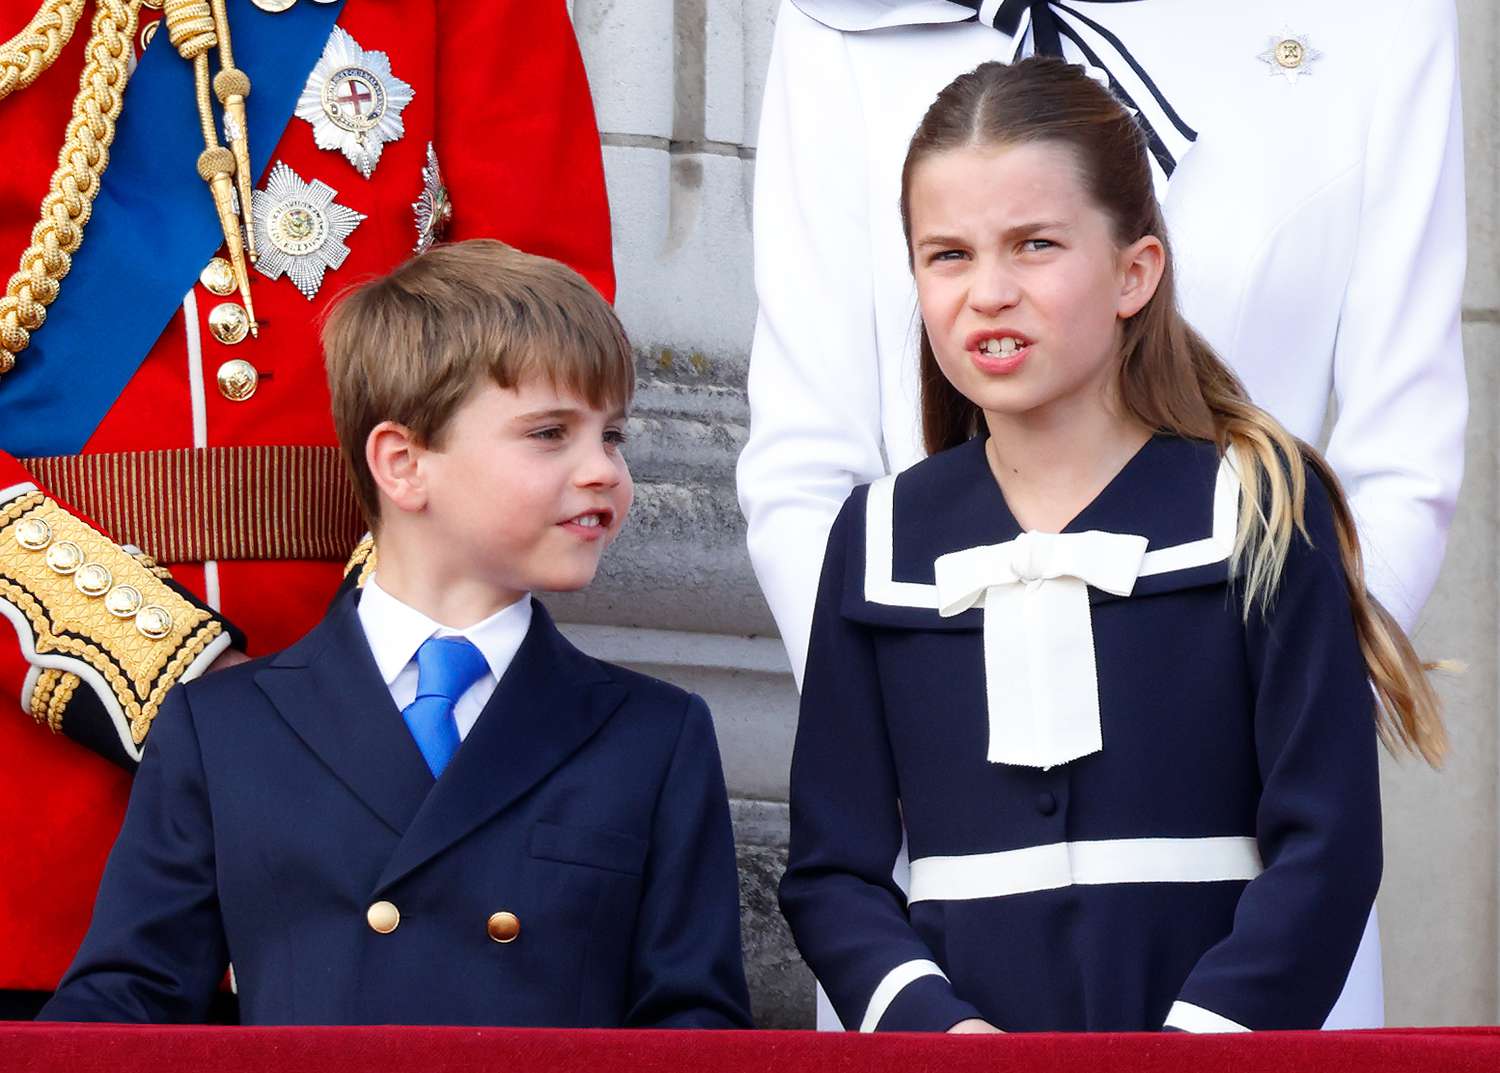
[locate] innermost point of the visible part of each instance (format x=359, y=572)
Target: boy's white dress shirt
x=396, y=630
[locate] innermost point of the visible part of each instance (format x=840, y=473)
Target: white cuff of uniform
x=895, y=981
x=1186, y=1017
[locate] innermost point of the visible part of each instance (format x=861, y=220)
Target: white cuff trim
x=1190, y=1018
x=894, y=983
x=14, y=490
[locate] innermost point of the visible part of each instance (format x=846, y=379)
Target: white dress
x=1317, y=223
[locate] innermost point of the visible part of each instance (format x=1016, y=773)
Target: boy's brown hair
x=410, y=346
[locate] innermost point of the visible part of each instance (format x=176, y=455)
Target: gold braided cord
x=75, y=183
x=33, y=50
x=194, y=28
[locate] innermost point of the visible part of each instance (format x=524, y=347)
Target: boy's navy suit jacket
x=278, y=800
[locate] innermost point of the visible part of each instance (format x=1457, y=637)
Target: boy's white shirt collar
x=396, y=630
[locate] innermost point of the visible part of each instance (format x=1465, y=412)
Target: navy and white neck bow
x=1040, y=27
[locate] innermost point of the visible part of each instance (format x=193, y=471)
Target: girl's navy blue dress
x=1209, y=867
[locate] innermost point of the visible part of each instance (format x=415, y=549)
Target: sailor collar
x=1178, y=494
x=943, y=551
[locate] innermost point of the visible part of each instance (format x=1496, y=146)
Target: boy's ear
x=392, y=452
x=1141, y=266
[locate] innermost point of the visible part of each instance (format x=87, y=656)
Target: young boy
x=433, y=808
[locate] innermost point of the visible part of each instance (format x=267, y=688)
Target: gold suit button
x=33, y=534
x=504, y=927
x=93, y=579
x=153, y=621
x=238, y=380
x=123, y=601
x=383, y=917
x=64, y=557
x=218, y=275
x=229, y=323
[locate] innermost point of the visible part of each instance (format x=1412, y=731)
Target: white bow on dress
x=1041, y=682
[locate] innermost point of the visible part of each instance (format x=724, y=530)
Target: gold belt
x=195, y=504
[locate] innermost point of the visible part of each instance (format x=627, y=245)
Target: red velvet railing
x=28, y=1048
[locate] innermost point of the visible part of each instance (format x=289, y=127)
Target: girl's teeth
x=589, y=520
x=1001, y=347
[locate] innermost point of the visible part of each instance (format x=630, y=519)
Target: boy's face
x=528, y=487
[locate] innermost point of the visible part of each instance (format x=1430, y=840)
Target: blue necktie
x=446, y=668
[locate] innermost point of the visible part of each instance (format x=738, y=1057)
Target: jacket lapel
x=552, y=699
x=330, y=692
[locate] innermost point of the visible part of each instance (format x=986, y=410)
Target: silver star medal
x=300, y=229
x=433, y=208
x=353, y=101
x=1291, y=55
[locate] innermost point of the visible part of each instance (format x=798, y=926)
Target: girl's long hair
x=1170, y=378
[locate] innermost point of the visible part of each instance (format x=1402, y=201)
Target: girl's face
x=1020, y=283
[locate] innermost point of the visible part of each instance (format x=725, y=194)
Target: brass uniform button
x=275, y=7
x=238, y=379
x=123, y=601
x=64, y=557
x=229, y=323
x=1289, y=52
x=383, y=917
x=33, y=534
x=503, y=927
x=218, y=276
x=93, y=579
x=153, y=621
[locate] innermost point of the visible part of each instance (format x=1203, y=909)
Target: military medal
x=432, y=208
x=354, y=102
x=1290, y=55
x=300, y=229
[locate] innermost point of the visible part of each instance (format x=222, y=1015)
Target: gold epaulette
x=90, y=612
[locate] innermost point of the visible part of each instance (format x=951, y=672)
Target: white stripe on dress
x=1066, y=864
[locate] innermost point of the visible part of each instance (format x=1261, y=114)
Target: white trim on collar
x=882, y=588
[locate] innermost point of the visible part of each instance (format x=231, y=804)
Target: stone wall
x=677, y=86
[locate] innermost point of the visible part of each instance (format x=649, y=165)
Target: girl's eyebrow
x=1009, y=235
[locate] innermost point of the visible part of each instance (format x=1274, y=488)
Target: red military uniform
x=183, y=457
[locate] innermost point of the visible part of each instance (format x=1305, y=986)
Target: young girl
x=1106, y=655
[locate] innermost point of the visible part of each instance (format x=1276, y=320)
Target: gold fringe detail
x=54, y=690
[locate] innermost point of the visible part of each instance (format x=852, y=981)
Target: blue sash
x=152, y=230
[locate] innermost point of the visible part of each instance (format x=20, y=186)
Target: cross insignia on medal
x=354, y=102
